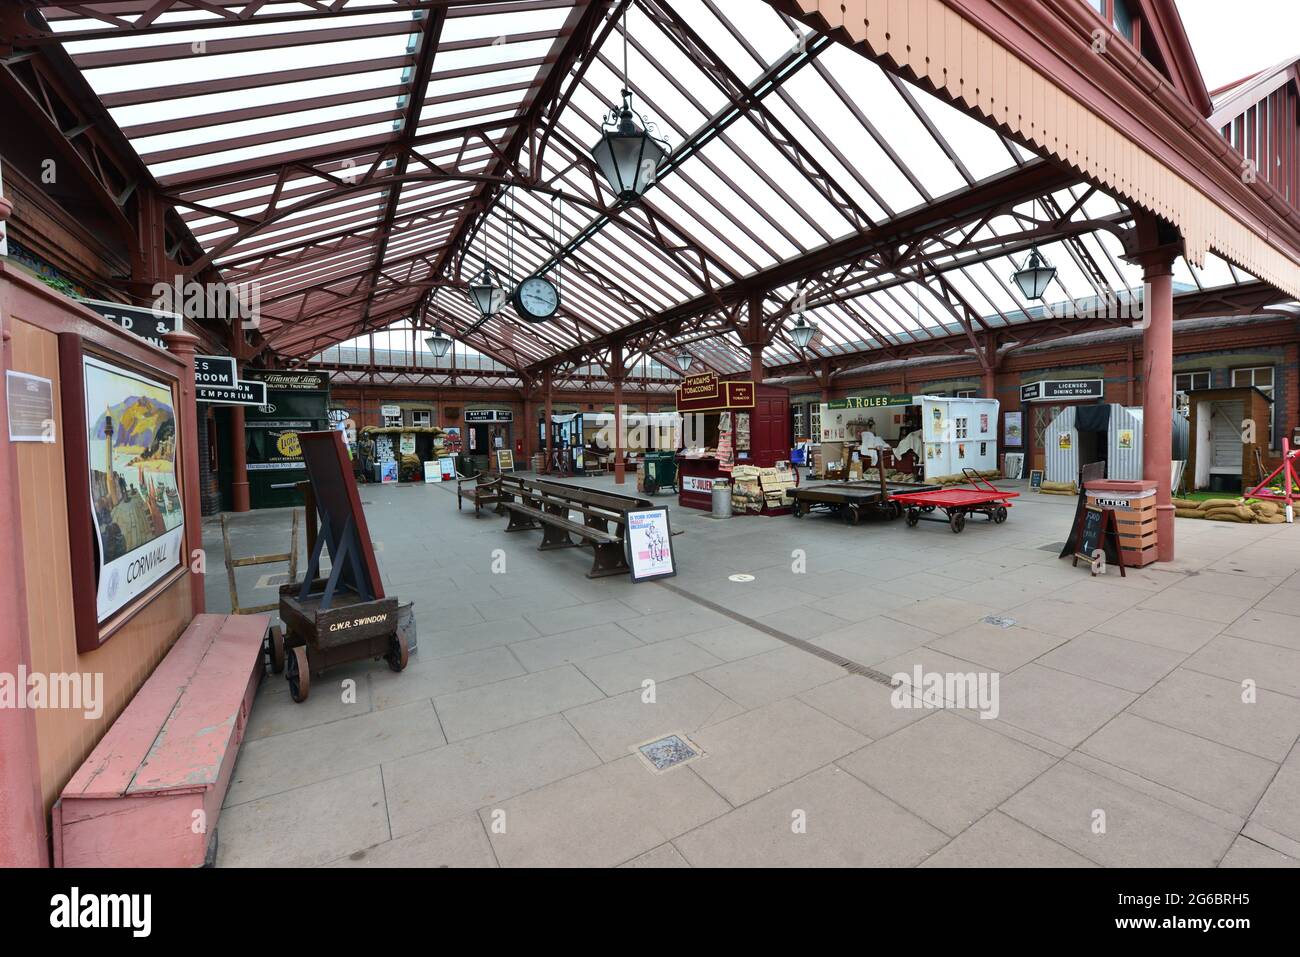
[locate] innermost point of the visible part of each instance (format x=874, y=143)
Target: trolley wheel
x=958, y=521
x=895, y=510
x=851, y=515
x=796, y=509
x=650, y=488
x=298, y=673
x=913, y=516
x=398, y=654
x=275, y=641
x=1000, y=514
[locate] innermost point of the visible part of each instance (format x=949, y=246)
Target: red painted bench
x=150, y=793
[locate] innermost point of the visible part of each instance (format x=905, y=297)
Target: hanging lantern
x=1034, y=275
x=487, y=293
x=684, y=360
x=438, y=343
x=802, y=332
x=628, y=155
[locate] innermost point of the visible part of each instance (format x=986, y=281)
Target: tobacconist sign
x=705, y=385
x=729, y=395
x=1055, y=390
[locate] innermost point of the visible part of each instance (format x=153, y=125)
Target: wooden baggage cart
x=982, y=498
x=344, y=616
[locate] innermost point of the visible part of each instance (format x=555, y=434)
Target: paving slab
x=996, y=840
x=762, y=679
x=460, y=842
x=426, y=678
x=946, y=770
x=1058, y=706
x=550, y=651
x=847, y=824
x=475, y=711
x=434, y=786
x=1130, y=665
x=659, y=662
x=617, y=812
x=614, y=726
x=754, y=752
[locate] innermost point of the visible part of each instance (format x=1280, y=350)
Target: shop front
x=487, y=432
x=295, y=402
x=731, y=429
x=1041, y=403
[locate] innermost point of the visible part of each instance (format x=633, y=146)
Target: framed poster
x=505, y=460
x=125, y=499
x=431, y=472
x=1013, y=429
x=447, y=466
x=649, y=545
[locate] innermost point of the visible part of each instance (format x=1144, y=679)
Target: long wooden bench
x=548, y=505
x=483, y=489
x=150, y=793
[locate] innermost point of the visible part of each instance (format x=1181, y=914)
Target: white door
x=1225, y=438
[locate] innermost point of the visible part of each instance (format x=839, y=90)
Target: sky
x=1237, y=39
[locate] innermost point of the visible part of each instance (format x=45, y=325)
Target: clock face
x=536, y=299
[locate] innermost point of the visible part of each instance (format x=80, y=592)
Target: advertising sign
x=505, y=460
x=870, y=401
x=432, y=472
x=696, y=483
x=1013, y=430
x=242, y=392
x=701, y=386
x=149, y=324
x=489, y=415
x=649, y=545
x=131, y=449
x=1055, y=390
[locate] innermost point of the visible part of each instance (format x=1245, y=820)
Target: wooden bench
x=483, y=489
x=150, y=793
x=548, y=505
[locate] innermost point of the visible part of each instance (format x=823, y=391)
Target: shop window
x=392, y=420
x=422, y=417
x=815, y=421
x=965, y=393
x=799, y=433
x=1187, y=381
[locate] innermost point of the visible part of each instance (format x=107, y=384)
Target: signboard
x=406, y=444
x=704, y=385
x=149, y=324
x=649, y=545
x=489, y=415
x=290, y=381
x=31, y=407
x=1057, y=390
x=730, y=395
x=870, y=401
x=447, y=466
x=390, y=411
x=432, y=472
x=242, y=393
x=215, y=370
x=1035, y=480
x=386, y=472
x=1013, y=430
x=696, y=483
x=505, y=460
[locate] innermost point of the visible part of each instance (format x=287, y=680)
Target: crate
x=1134, y=504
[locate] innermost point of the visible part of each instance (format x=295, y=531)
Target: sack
x=1189, y=513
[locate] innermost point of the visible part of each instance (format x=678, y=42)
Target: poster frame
x=668, y=537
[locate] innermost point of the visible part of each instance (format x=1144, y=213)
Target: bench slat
x=583, y=531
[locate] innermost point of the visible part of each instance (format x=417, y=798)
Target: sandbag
x=1068, y=488
x=1224, y=515
x=1271, y=519
x=1265, y=508
x=1189, y=513
x=1240, y=511
x=1210, y=503
x=1185, y=503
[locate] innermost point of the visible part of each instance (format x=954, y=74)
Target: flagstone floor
x=1148, y=720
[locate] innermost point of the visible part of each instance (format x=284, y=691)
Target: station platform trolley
x=343, y=616
x=957, y=502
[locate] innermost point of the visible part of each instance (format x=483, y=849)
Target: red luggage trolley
x=982, y=498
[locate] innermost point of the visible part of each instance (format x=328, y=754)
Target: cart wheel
x=958, y=521
x=895, y=510
x=850, y=515
x=796, y=510
x=1000, y=514
x=398, y=654
x=913, y=516
x=651, y=487
x=298, y=673
x=276, y=640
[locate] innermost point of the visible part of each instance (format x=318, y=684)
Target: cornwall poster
x=131, y=447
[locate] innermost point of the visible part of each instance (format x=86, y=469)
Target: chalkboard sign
x=1035, y=480
x=1090, y=531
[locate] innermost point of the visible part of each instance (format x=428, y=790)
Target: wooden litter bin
x=1134, y=504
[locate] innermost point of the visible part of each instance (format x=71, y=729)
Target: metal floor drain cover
x=668, y=752
x=1002, y=621
x=274, y=580
x=741, y=578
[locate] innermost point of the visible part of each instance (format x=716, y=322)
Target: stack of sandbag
x=1230, y=510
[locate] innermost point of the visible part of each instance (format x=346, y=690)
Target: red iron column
x=1158, y=393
